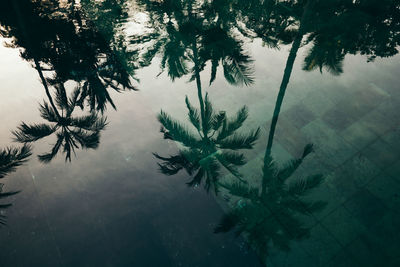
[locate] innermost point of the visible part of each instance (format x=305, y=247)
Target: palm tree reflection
x=215, y=144
x=186, y=42
x=10, y=159
x=188, y=34
x=71, y=131
x=267, y=212
x=70, y=49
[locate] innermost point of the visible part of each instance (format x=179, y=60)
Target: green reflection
x=216, y=143
x=267, y=211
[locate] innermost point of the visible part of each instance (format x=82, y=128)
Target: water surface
x=199, y=133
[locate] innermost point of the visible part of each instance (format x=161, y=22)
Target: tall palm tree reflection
x=71, y=131
x=10, y=159
x=186, y=42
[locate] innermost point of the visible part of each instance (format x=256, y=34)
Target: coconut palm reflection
x=70, y=49
x=267, y=211
x=188, y=34
x=10, y=159
x=215, y=143
x=71, y=131
x=186, y=41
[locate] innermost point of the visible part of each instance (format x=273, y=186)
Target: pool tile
x=394, y=170
x=343, y=259
x=342, y=225
x=328, y=143
x=392, y=138
x=353, y=175
x=366, y=208
x=318, y=102
x=296, y=256
x=338, y=119
x=367, y=252
x=326, y=193
x=381, y=153
x=377, y=122
x=298, y=115
x=291, y=138
x=387, y=190
x=352, y=108
x=358, y=135
x=321, y=245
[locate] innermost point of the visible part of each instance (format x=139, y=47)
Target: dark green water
x=200, y=133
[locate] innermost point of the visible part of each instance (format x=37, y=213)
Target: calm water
x=200, y=133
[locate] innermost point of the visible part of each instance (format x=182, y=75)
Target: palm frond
x=47, y=157
x=69, y=146
x=234, y=158
x=11, y=158
x=48, y=113
x=288, y=169
x=194, y=114
x=240, y=141
x=325, y=55
x=197, y=179
x=237, y=70
x=4, y=195
x=73, y=101
x=173, y=164
x=241, y=190
x=231, y=125
x=87, y=140
x=208, y=115
x=299, y=187
x=30, y=133
x=214, y=66
x=229, y=166
x=61, y=98
x=218, y=120
x=91, y=122
x=177, y=132
x=7, y=194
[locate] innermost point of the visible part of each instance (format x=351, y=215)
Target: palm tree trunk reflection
x=286, y=76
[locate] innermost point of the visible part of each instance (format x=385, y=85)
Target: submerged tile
x=342, y=225
x=381, y=153
x=358, y=135
x=387, y=190
x=366, y=208
x=329, y=145
x=321, y=245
